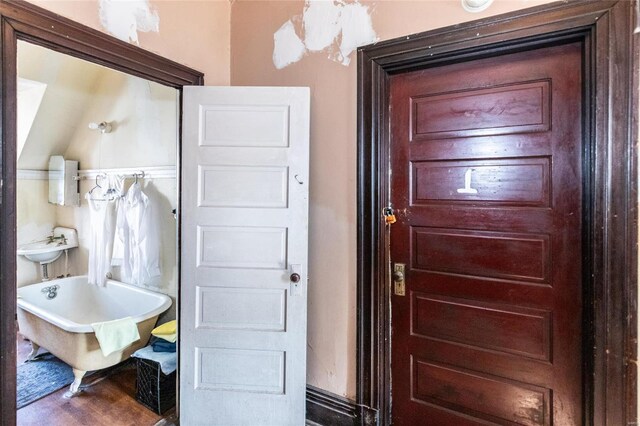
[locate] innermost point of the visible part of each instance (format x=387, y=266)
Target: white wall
x=35, y=218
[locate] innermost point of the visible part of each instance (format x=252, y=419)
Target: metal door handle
x=398, y=276
x=296, y=288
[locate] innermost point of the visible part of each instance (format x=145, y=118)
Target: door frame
x=610, y=231
x=20, y=20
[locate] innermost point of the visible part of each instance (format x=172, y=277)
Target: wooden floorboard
x=108, y=402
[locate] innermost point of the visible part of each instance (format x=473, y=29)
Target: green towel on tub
x=116, y=335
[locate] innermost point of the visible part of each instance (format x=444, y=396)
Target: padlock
x=389, y=217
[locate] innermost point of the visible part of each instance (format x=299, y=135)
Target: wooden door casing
x=486, y=160
x=610, y=117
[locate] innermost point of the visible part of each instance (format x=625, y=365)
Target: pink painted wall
x=332, y=262
x=194, y=33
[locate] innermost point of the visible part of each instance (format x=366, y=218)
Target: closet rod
x=138, y=175
x=150, y=172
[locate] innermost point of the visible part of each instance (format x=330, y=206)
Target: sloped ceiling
x=30, y=94
x=71, y=83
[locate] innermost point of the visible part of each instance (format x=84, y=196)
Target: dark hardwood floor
x=109, y=401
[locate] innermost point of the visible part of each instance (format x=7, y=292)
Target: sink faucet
x=61, y=239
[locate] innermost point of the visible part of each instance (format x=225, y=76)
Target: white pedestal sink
x=50, y=248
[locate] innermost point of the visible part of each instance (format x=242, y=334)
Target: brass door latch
x=398, y=279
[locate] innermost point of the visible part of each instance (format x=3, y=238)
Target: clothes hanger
x=138, y=175
x=111, y=193
x=97, y=185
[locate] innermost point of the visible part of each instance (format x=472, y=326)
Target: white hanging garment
x=139, y=232
x=102, y=217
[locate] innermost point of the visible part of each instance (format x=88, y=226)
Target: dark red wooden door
x=486, y=160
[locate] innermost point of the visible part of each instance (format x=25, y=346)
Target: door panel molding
x=20, y=20
x=610, y=125
x=244, y=255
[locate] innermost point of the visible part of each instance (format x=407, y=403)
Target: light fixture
x=104, y=127
x=476, y=6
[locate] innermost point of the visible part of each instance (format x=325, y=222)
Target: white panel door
x=243, y=319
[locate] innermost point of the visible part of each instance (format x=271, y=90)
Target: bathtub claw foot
x=70, y=394
x=74, y=389
x=34, y=351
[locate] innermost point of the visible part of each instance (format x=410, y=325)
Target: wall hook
x=298, y=180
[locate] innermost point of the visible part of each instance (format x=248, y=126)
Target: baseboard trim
x=329, y=409
x=367, y=416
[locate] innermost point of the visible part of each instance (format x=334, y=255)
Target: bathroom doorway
x=97, y=197
x=68, y=136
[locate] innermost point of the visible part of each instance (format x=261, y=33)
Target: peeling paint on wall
x=321, y=21
x=338, y=27
x=124, y=18
x=357, y=30
x=288, y=48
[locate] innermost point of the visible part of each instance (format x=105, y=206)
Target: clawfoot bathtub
x=62, y=324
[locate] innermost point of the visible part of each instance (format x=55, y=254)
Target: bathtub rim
x=74, y=327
